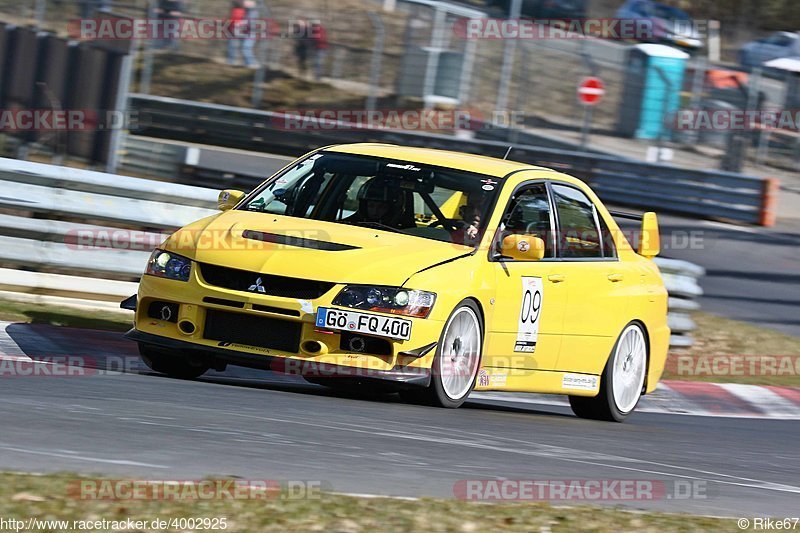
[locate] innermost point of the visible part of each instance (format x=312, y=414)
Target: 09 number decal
x=531, y=305
x=529, y=313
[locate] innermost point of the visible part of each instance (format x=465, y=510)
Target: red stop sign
x=591, y=90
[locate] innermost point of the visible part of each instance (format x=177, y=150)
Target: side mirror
x=522, y=247
x=228, y=199
x=649, y=240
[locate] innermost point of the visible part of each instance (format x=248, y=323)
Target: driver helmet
x=380, y=190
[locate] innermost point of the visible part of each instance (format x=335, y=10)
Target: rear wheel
x=455, y=365
x=622, y=381
x=172, y=364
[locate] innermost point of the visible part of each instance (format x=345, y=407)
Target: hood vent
x=300, y=242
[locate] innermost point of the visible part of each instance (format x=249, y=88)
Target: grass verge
x=41, y=313
x=717, y=339
x=47, y=497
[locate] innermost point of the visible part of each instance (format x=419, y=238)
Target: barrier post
x=769, y=200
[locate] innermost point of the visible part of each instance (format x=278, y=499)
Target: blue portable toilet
x=651, y=93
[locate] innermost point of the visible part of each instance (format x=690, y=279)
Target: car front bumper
x=286, y=325
x=411, y=376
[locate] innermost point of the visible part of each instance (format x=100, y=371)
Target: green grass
x=40, y=313
x=46, y=497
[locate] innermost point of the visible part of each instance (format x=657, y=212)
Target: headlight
x=169, y=265
x=393, y=300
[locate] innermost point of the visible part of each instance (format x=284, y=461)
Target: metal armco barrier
x=707, y=194
x=50, y=255
x=92, y=224
x=681, y=279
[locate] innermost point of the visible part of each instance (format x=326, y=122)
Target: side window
x=609, y=247
x=529, y=213
x=350, y=204
x=578, y=233
x=779, y=39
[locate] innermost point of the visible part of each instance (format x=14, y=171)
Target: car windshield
x=390, y=195
x=670, y=13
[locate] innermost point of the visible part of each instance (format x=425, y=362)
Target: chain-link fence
x=422, y=56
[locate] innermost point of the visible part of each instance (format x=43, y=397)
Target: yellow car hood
x=310, y=249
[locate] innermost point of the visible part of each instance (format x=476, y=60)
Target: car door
x=529, y=306
x=597, y=283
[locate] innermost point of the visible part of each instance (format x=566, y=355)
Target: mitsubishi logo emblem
x=257, y=287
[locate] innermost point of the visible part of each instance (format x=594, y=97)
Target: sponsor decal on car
x=529, y=313
x=498, y=379
x=579, y=382
x=224, y=344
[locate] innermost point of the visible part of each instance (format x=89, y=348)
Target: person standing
x=319, y=43
x=166, y=11
x=242, y=15
x=249, y=41
x=301, y=30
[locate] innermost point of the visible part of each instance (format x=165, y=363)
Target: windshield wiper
x=376, y=225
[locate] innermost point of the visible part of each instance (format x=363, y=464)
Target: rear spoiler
x=625, y=215
x=649, y=239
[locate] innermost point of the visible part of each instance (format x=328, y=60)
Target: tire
x=622, y=381
x=455, y=365
x=172, y=364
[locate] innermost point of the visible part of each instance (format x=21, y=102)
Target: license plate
x=383, y=326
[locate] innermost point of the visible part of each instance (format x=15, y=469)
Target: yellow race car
x=426, y=272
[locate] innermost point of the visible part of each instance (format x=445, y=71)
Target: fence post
x=147, y=52
x=588, y=110
x=260, y=74
x=376, y=60
x=508, y=60
x=432, y=66
x=41, y=5
x=664, y=112
x=698, y=83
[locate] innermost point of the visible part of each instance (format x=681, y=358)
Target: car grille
x=242, y=280
x=252, y=330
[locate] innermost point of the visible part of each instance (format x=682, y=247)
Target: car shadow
x=110, y=351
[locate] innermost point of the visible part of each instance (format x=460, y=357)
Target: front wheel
x=458, y=356
x=622, y=381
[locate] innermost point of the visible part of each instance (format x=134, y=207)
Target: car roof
x=481, y=164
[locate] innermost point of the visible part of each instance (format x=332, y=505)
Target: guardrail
x=682, y=281
x=702, y=193
x=91, y=234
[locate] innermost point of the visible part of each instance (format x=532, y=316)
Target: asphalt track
x=752, y=274
x=268, y=426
